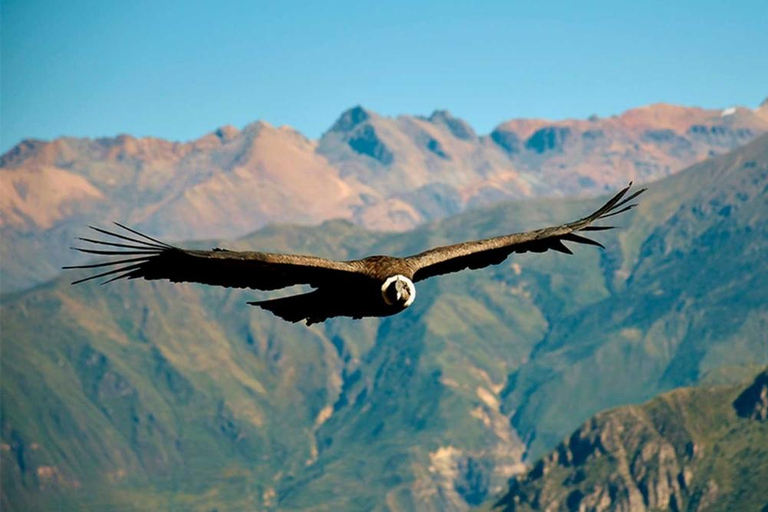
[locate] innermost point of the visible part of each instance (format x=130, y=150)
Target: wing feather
x=491, y=251
x=151, y=259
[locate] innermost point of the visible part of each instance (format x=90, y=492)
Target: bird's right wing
x=136, y=255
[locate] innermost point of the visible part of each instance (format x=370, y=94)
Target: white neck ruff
x=408, y=283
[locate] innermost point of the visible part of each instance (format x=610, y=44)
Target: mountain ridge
x=385, y=173
x=182, y=396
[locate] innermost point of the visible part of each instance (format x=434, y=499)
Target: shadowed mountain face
x=690, y=449
x=381, y=173
x=147, y=395
x=753, y=402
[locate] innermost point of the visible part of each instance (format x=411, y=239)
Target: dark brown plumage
x=373, y=286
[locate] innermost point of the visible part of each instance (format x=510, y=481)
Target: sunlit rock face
x=676, y=452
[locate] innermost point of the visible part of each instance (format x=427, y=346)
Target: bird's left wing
x=491, y=251
x=136, y=255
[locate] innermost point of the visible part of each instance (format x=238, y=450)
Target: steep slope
x=677, y=279
x=691, y=449
x=150, y=395
x=205, y=183
x=225, y=184
x=158, y=396
x=431, y=167
x=382, y=173
x=426, y=168
x=144, y=397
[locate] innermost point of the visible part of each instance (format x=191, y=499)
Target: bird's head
x=398, y=290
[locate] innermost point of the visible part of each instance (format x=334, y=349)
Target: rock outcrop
x=690, y=449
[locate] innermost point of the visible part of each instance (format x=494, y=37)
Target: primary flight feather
x=372, y=286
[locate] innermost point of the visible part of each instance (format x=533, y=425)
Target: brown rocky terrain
x=690, y=449
x=640, y=144
x=227, y=182
x=383, y=173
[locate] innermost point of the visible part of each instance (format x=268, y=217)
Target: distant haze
x=178, y=70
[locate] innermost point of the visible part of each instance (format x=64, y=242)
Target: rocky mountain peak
x=20, y=152
x=350, y=119
x=458, y=127
x=227, y=133
x=256, y=127
x=439, y=115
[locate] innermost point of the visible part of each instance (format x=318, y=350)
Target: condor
x=373, y=286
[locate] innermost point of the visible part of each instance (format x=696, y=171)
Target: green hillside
x=690, y=449
x=140, y=395
x=688, y=296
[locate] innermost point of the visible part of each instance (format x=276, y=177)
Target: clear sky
x=180, y=69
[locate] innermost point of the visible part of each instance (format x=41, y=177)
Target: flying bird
x=375, y=286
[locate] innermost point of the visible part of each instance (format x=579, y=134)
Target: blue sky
x=179, y=69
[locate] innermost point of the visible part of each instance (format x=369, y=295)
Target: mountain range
x=148, y=395
x=379, y=172
x=700, y=448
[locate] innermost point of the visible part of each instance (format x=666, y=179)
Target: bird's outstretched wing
x=136, y=255
x=491, y=251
